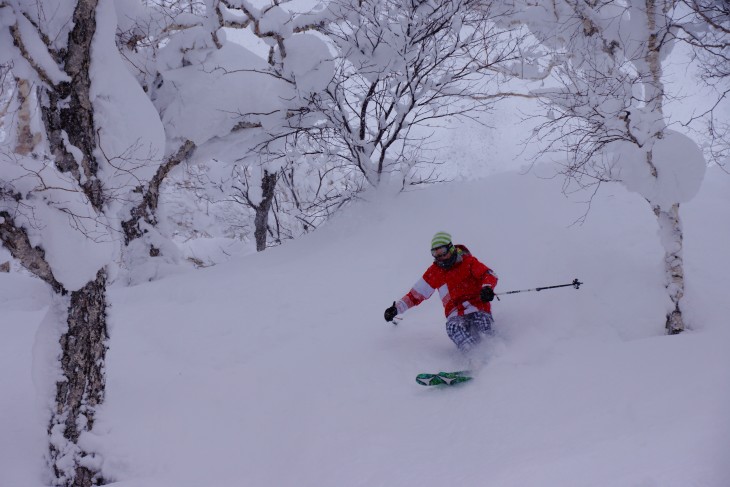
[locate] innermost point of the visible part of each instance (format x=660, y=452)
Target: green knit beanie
x=440, y=239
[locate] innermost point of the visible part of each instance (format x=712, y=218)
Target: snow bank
x=582, y=387
x=278, y=369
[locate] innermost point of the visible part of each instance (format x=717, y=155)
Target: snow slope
x=277, y=369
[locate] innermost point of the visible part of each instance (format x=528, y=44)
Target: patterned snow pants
x=467, y=331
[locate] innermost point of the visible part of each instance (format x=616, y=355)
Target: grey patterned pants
x=466, y=331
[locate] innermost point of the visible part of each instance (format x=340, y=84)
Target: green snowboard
x=443, y=378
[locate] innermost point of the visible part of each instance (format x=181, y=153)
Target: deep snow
x=277, y=369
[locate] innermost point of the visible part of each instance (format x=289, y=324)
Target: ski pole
x=576, y=284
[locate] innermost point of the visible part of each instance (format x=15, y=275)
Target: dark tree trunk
x=69, y=110
x=261, y=220
x=83, y=354
x=68, y=116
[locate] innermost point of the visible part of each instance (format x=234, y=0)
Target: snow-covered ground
x=277, y=369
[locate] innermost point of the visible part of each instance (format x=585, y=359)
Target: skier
x=466, y=287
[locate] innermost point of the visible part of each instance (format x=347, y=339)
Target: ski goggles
x=441, y=252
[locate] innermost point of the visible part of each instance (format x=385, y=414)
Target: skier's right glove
x=390, y=312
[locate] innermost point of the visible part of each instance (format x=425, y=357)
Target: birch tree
x=607, y=111
x=80, y=135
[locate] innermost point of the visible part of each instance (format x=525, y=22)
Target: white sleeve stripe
x=421, y=287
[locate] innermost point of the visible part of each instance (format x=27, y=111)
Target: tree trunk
x=68, y=116
x=147, y=208
x=670, y=229
x=261, y=220
x=81, y=388
x=83, y=350
x=670, y=226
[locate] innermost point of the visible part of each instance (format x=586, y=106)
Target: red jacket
x=459, y=286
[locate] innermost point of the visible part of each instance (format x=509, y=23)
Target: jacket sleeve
x=484, y=274
x=420, y=291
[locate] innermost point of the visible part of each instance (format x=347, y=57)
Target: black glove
x=390, y=312
x=487, y=294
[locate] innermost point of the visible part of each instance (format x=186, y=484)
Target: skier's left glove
x=487, y=294
x=390, y=312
